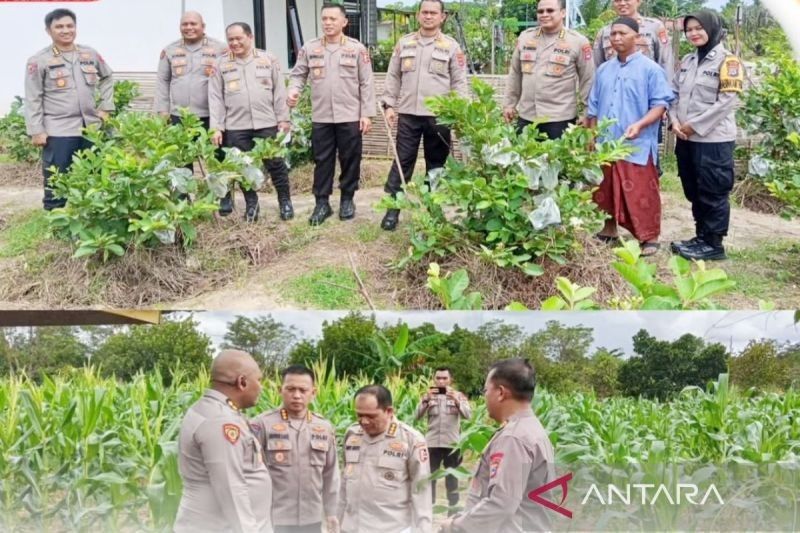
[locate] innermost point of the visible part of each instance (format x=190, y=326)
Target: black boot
x=251, y=208
x=677, y=246
x=321, y=212
x=285, y=205
x=226, y=205
x=347, y=208
x=390, y=219
x=709, y=248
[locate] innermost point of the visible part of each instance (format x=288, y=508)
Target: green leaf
x=84, y=251
x=554, y=303
x=516, y=306
x=532, y=269
x=659, y=303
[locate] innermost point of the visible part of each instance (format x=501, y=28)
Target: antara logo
x=535, y=495
x=682, y=492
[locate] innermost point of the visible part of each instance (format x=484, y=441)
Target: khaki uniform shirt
x=653, y=42
x=341, y=80
x=444, y=418
x=60, y=89
x=547, y=72
x=247, y=93
x=708, y=94
x=301, y=457
x=517, y=460
x=226, y=485
x=421, y=67
x=183, y=74
x=383, y=484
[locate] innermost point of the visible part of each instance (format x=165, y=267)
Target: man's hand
x=216, y=138
x=391, y=116
x=584, y=122
x=333, y=524
x=687, y=130
x=102, y=114
x=676, y=129
x=447, y=526
x=40, y=139
x=284, y=126
x=509, y=113
x=452, y=394
x=365, y=125
x=292, y=97
x=164, y=114
x=633, y=131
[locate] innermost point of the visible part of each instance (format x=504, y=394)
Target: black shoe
x=675, y=246
x=226, y=205
x=702, y=251
x=285, y=208
x=390, y=219
x=347, y=209
x=321, y=212
x=251, y=213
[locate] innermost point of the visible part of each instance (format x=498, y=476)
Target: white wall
x=129, y=34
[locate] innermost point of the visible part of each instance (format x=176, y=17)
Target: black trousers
x=436, y=147
x=326, y=140
x=308, y=528
x=451, y=458
x=58, y=152
x=244, y=140
x=553, y=130
x=706, y=172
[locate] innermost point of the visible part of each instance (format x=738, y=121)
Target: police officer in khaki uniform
x=445, y=407
x=386, y=465
x=300, y=448
x=425, y=63
x=247, y=100
x=518, y=459
x=183, y=72
x=61, y=83
x=653, y=38
x=703, y=118
x=226, y=485
x=342, y=104
x=549, y=66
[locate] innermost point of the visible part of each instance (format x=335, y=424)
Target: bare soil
x=245, y=267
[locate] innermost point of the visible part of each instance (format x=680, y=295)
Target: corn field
x=82, y=452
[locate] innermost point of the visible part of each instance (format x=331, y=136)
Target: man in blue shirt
x=633, y=90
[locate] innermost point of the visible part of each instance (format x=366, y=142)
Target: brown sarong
x=629, y=193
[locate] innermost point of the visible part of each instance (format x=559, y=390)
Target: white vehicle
x=130, y=34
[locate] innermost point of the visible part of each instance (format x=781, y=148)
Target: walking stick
x=394, y=146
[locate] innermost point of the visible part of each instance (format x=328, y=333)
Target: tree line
x=356, y=344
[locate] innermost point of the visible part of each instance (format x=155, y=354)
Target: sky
x=612, y=330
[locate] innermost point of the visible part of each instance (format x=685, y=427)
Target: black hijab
x=712, y=23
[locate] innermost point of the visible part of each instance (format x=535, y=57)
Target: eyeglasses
x=548, y=10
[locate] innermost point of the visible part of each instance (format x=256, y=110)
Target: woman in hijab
x=703, y=118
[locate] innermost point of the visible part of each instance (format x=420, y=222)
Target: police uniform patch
x=163, y=54
x=422, y=452
x=389, y=476
x=587, y=52
x=731, y=76
x=209, y=71
x=318, y=429
x=461, y=59
x=397, y=446
x=231, y=433
x=278, y=427
x=280, y=457
x=317, y=72
x=179, y=71
x=494, y=463
x=365, y=57
x=255, y=428
x=662, y=35
x=407, y=62
x=33, y=68
x=61, y=83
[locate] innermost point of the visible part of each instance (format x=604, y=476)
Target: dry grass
x=301, y=179
x=20, y=175
x=753, y=195
x=49, y=277
x=501, y=286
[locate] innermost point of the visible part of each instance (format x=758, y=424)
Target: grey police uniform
x=60, y=92
x=518, y=459
x=383, y=484
x=707, y=97
x=226, y=485
x=301, y=458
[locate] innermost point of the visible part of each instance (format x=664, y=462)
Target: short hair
x=440, y=2
x=331, y=5
x=58, y=14
x=562, y=4
x=297, y=370
x=245, y=28
x=443, y=369
x=517, y=375
x=380, y=392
